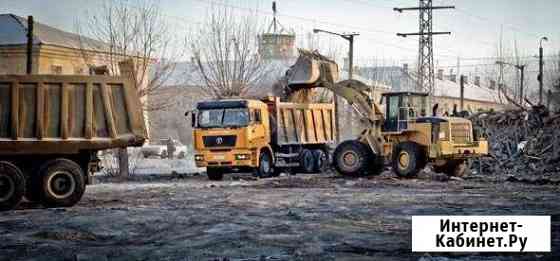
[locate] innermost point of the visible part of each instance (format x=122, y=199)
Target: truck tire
x=62, y=183
x=351, y=158
x=266, y=165
x=306, y=161
x=457, y=168
x=320, y=160
x=407, y=159
x=12, y=186
x=215, y=174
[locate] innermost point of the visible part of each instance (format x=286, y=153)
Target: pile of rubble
x=521, y=142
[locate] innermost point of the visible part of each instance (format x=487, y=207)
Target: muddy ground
x=303, y=217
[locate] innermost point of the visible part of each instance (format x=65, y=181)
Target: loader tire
x=62, y=183
x=215, y=174
x=407, y=159
x=352, y=158
x=12, y=186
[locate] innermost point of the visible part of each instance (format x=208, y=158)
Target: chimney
x=405, y=67
x=440, y=74
x=477, y=81
x=492, y=84
x=453, y=77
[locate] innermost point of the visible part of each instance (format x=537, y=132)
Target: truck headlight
x=199, y=157
x=242, y=156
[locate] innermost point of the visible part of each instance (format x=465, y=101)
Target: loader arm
x=312, y=70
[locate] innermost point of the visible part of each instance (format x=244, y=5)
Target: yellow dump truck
x=264, y=136
x=51, y=128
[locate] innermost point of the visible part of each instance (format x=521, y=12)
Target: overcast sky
x=475, y=24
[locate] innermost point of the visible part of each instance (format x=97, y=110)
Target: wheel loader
x=404, y=133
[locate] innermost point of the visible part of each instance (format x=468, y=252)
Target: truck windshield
x=215, y=118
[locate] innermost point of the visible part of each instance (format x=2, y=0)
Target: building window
x=56, y=69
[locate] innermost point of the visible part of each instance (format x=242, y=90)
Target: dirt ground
x=303, y=217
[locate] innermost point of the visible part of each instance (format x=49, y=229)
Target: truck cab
x=231, y=136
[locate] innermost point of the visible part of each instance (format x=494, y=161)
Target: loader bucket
x=310, y=69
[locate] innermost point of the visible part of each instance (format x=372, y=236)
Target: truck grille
x=461, y=133
x=219, y=141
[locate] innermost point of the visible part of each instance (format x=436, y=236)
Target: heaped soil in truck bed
x=303, y=217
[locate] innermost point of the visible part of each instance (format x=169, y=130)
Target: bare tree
x=120, y=32
x=225, y=51
x=120, y=35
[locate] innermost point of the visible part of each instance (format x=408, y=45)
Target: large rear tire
x=62, y=183
x=12, y=186
x=306, y=161
x=215, y=174
x=407, y=159
x=351, y=158
x=320, y=160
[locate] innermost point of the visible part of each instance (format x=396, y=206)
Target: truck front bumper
x=475, y=149
x=229, y=158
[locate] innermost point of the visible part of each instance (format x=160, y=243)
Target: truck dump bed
x=64, y=114
x=304, y=123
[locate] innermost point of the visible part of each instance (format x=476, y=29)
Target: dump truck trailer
x=262, y=136
x=51, y=128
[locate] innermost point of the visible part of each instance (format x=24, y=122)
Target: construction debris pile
x=521, y=142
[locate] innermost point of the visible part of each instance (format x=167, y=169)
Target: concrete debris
x=521, y=142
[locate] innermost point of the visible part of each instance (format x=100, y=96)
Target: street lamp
x=521, y=67
x=541, y=65
x=350, y=38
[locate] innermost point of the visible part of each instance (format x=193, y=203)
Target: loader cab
x=401, y=108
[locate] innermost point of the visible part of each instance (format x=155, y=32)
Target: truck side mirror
x=193, y=117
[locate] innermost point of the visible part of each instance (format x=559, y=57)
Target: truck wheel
x=457, y=168
x=407, y=159
x=266, y=167
x=351, y=158
x=181, y=155
x=62, y=183
x=164, y=154
x=320, y=160
x=215, y=174
x=306, y=161
x=12, y=186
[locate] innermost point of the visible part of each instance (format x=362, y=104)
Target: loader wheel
x=320, y=160
x=266, y=168
x=215, y=174
x=12, y=186
x=306, y=161
x=457, y=168
x=407, y=159
x=351, y=158
x=62, y=183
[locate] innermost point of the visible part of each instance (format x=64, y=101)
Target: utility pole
x=521, y=68
x=462, y=95
x=541, y=65
x=350, y=38
x=425, y=77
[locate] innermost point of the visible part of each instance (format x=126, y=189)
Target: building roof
x=13, y=31
x=401, y=80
